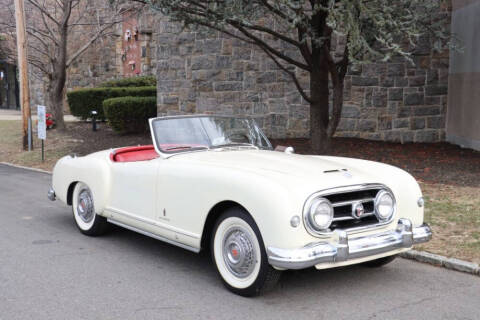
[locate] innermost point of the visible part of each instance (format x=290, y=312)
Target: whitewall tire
x=239, y=254
x=87, y=221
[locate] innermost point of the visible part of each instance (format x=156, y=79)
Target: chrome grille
x=343, y=206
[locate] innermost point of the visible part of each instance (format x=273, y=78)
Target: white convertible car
x=215, y=182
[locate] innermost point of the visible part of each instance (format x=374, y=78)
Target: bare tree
x=59, y=32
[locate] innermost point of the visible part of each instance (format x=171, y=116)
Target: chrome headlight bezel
x=309, y=215
x=377, y=200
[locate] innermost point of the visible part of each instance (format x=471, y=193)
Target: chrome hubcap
x=238, y=252
x=85, y=206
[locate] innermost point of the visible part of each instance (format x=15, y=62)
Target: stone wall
x=397, y=101
x=208, y=72
x=97, y=64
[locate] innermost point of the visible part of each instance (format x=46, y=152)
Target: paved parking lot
x=48, y=270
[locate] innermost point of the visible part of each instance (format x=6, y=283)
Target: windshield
x=187, y=133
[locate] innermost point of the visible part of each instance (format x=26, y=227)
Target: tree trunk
x=56, y=103
x=319, y=113
x=59, y=66
x=337, y=105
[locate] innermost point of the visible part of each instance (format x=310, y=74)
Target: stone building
x=128, y=51
x=208, y=72
x=111, y=56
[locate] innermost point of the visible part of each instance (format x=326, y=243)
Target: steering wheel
x=238, y=137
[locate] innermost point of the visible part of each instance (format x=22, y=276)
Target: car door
x=133, y=191
x=177, y=196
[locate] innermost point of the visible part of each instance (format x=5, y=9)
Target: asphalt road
x=48, y=270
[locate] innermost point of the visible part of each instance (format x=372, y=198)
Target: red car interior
x=131, y=154
x=141, y=153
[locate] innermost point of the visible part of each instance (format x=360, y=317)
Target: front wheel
x=239, y=254
x=88, y=222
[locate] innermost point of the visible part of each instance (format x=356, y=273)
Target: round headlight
x=320, y=214
x=384, y=205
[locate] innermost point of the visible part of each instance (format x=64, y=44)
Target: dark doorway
x=9, y=90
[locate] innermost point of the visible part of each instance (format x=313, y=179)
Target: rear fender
x=92, y=171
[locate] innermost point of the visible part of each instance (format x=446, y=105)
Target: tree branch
x=87, y=44
x=292, y=75
x=337, y=76
x=272, y=50
x=196, y=16
x=50, y=31
x=44, y=11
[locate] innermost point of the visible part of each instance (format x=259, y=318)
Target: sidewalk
x=6, y=114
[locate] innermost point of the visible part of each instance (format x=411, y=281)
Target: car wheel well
x=213, y=215
x=71, y=187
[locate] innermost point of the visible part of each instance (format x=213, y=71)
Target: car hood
x=299, y=171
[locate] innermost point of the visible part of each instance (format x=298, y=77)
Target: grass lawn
x=57, y=146
x=453, y=212
x=449, y=176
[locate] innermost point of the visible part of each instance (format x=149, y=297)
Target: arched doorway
x=9, y=90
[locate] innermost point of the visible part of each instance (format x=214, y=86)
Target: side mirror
x=288, y=150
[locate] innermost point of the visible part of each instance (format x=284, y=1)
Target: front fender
x=190, y=192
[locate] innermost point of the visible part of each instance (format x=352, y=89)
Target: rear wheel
x=239, y=254
x=379, y=262
x=87, y=221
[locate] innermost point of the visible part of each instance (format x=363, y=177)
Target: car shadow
x=306, y=283
x=201, y=265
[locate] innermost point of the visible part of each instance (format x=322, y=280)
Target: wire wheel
x=83, y=207
x=238, y=252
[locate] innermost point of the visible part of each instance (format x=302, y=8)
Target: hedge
x=145, y=81
x=130, y=114
x=83, y=101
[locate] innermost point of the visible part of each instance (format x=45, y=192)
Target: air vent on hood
x=336, y=170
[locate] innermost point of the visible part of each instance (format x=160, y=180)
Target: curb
x=26, y=168
x=441, y=261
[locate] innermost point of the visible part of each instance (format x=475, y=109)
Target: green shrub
x=145, y=81
x=130, y=114
x=83, y=101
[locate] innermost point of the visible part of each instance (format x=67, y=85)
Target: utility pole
x=23, y=66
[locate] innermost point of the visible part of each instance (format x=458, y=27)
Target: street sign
x=42, y=127
x=42, y=123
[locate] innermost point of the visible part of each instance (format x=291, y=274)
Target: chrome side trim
x=152, y=222
x=51, y=194
x=154, y=236
x=348, y=248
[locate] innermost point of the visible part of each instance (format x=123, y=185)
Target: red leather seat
x=131, y=154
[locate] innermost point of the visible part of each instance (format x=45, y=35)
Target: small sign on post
x=42, y=127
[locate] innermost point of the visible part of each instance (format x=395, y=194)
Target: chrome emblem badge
x=357, y=210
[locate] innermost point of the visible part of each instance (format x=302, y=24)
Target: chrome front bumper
x=404, y=236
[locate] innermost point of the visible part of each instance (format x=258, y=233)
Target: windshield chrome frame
x=173, y=153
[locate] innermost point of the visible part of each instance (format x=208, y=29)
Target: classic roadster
x=216, y=182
